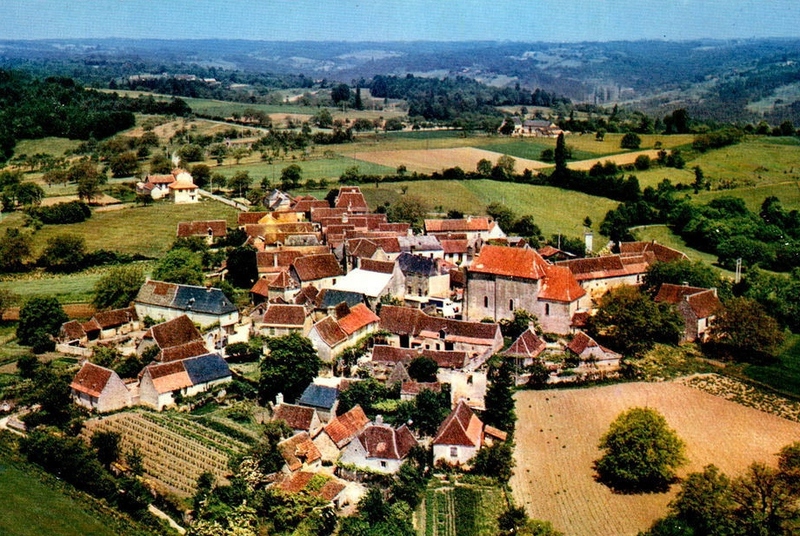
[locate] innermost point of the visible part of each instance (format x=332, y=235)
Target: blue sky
x=400, y=20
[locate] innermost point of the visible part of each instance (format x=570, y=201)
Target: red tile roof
x=297, y=417
x=581, y=341
x=399, y=228
x=330, y=332
x=704, y=302
x=175, y=332
x=461, y=427
x=160, y=179
x=383, y=267
x=596, y=267
x=307, y=295
x=527, y=345
x=215, y=228
x=342, y=428
x=560, y=285
x=413, y=388
x=360, y=316
x=182, y=351
x=318, y=214
x=307, y=204
x=250, y=218
x=469, y=224
x=115, y=317
x=452, y=246
x=662, y=253
x=261, y=287
x=91, y=379
x=352, y=200
x=72, y=330
x=408, y=321
x=510, y=262
x=277, y=258
x=382, y=441
x=299, y=450
x=285, y=315
x=315, y=267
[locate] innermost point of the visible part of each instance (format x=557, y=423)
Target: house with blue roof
x=205, y=306
x=322, y=398
x=161, y=382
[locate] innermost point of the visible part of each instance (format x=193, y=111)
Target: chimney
x=379, y=419
x=588, y=240
x=279, y=399
x=469, y=218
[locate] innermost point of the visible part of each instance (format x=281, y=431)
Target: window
x=510, y=305
x=383, y=464
x=486, y=301
x=454, y=452
x=547, y=309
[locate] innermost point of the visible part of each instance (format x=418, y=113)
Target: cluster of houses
x=336, y=273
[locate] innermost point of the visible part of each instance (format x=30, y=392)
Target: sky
x=400, y=20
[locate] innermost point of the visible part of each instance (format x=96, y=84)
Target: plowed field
x=557, y=437
x=430, y=160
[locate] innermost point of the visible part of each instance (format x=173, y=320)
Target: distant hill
x=724, y=80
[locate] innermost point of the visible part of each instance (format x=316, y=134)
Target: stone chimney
x=279, y=399
x=379, y=419
x=588, y=241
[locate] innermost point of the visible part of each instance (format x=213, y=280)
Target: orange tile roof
x=382, y=441
x=527, y=345
x=703, y=302
x=91, y=379
x=299, y=450
x=560, y=285
x=461, y=427
x=469, y=224
x=285, y=315
x=342, y=428
x=202, y=228
x=510, y=262
x=182, y=351
x=360, y=316
x=315, y=267
x=297, y=417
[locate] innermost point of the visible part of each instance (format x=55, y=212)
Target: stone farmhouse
x=472, y=227
x=461, y=435
x=697, y=306
x=204, y=305
x=206, y=229
x=339, y=432
x=160, y=383
x=334, y=333
x=99, y=389
x=379, y=448
x=175, y=339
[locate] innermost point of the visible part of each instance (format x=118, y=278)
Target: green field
x=462, y=510
x=787, y=192
x=530, y=148
x=147, y=230
x=755, y=161
x=553, y=209
x=51, y=146
x=314, y=168
x=34, y=504
x=784, y=375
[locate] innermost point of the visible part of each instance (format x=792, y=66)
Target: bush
x=61, y=213
x=630, y=141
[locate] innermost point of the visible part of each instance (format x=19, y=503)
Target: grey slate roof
x=206, y=368
x=319, y=396
x=419, y=243
x=416, y=264
x=185, y=298
x=332, y=298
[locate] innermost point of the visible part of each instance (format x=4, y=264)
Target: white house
x=203, y=305
x=100, y=389
x=161, y=382
x=460, y=436
x=379, y=448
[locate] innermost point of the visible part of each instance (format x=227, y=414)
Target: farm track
x=558, y=433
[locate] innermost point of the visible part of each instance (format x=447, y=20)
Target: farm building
x=298, y=418
x=206, y=229
x=277, y=320
x=379, y=448
x=176, y=339
x=461, y=435
x=334, y=333
x=471, y=227
x=100, y=389
x=300, y=454
x=697, y=306
x=162, y=382
x=322, y=398
x=339, y=432
x=204, y=305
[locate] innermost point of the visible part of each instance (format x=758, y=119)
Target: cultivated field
x=557, y=439
x=428, y=161
x=622, y=159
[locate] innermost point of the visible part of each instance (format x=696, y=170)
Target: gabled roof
x=249, y=218
x=581, y=341
x=560, y=285
x=319, y=396
x=207, y=300
x=206, y=368
x=215, y=228
x=527, y=345
x=342, y=428
x=399, y=374
x=398, y=228
x=330, y=297
x=297, y=450
x=524, y=263
x=382, y=441
x=413, y=388
x=115, y=317
x=596, y=267
x=168, y=377
x=72, y=330
x=297, y=417
x=175, y=332
x=461, y=427
x=418, y=243
x=297, y=482
x=307, y=294
x=329, y=331
x=277, y=258
x=351, y=199
x=452, y=246
x=360, y=316
x=662, y=253
x=285, y=315
x=383, y=267
x=468, y=224
x=160, y=179
x=372, y=284
x=382, y=353
x=703, y=302
x=182, y=351
x=417, y=264
x=406, y=321
x=91, y=379
x=315, y=267
x=307, y=204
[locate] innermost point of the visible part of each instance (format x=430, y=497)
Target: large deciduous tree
x=39, y=319
x=15, y=247
x=290, y=366
x=744, y=331
x=64, y=253
x=118, y=287
x=641, y=452
x=410, y=209
x=631, y=322
x=181, y=266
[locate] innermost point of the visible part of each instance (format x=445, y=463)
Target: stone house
x=461, y=435
x=206, y=229
x=472, y=227
x=341, y=429
x=99, y=389
x=160, y=383
x=333, y=334
x=298, y=418
x=300, y=454
x=424, y=278
x=697, y=306
x=324, y=399
x=176, y=339
x=526, y=349
x=379, y=448
x=183, y=189
x=204, y=305
x=277, y=320
x=322, y=271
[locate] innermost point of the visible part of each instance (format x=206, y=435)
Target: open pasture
x=428, y=161
x=755, y=161
x=558, y=433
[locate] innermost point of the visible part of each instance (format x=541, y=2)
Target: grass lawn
x=783, y=375
x=546, y=204
x=51, y=146
x=33, y=505
x=145, y=230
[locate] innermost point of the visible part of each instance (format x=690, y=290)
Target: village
x=375, y=300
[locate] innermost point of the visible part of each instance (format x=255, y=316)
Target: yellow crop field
x=558, y=433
